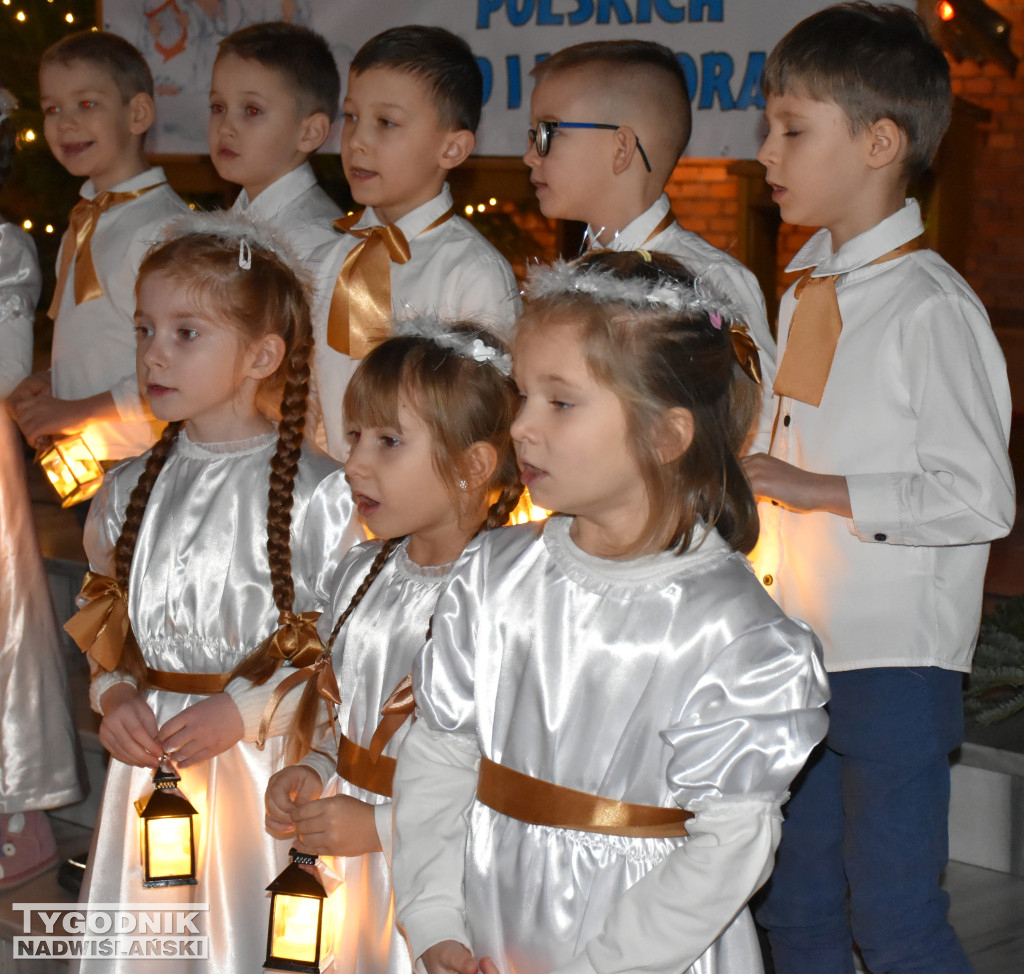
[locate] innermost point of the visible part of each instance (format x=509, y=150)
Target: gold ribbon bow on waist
x=85, y=215
x=295, y=639
x=361, y=303
x=101, y=627
x=814, y=333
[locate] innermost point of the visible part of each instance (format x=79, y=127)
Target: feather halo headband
x=603, y=286
x=473, y=343
x=235, y=229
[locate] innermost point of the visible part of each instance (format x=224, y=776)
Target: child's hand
x=128, y=729
x=796, y=489
x=336, y=826
x=43, y=415
x=451, y=957
x=31, y=386
x=202, y=731
x=286, y=791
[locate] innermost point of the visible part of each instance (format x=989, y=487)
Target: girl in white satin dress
x=216, y=542
x=609, y=710
x=431, y=464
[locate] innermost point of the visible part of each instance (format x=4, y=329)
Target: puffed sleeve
x=744, y=733
x=20, y=282
x=962, y=491
x=435, y=781
x=329, y=529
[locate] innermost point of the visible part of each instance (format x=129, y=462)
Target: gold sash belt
x=538, y=802
x=357, y=766
x=205, y=683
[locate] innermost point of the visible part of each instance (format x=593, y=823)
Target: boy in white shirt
x=610, y=120
x=410, y=113
x=890, y=474
x=273, y=97
x=96, y=93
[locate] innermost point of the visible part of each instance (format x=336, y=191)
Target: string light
x=493, y=201
x=49, y=228
x=480, y=208
x=29, y=135
x=20, y=16
x=469, y=211
x=27, y=225
x=946, y=10
x=70, y=18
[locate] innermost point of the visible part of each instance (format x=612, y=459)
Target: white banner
x=722, y=45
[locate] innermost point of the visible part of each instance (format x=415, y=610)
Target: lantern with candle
x=299, y=935
x=72, y=469
x=167, y=831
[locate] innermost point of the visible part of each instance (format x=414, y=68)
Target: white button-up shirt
x=94, y=342
x=916, y=416
x=297, y=206
x=726, y=275
x=453, y=271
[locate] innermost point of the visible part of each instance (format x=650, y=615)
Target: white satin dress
x=373, y=652
x=39, y=762
x=663, y=680
x=200, y=600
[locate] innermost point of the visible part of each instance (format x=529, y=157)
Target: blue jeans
x=868, y=820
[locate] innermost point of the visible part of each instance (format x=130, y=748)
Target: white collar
x=415, y=221
x=901, y=227
x=280, y=193
x=634, y=235
x=144, y=180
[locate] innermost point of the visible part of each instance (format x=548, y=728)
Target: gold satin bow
x=101, y=627
x=85, y=215
x=361, y=302
x=296, y=639
x=746, y=353
x=322, y=670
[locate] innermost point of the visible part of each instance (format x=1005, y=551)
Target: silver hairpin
x=244, y=255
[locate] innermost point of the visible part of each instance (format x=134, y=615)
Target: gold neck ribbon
x=85, y=215
x=361, y=302
x=101, y=627
x=814, y=333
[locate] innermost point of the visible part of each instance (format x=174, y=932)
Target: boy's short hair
x=301, y=55
x=110, y=52
x=441, y=59
x=631, y=63
x=874, y=62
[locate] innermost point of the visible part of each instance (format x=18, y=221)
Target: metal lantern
x=167, y=831
x=72, y=469
x=299, y=934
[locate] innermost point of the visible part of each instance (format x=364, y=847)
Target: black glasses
x=541, y=135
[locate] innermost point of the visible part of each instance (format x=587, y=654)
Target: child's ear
x=478, y=464
x=266, y=355
x=675, y=434
x=625, y=142
x=141, y=113
x=458, y=146
x=887, y=143
x=314, y=131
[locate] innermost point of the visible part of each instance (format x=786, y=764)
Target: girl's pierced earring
x=463, y=485
x=244, y=255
